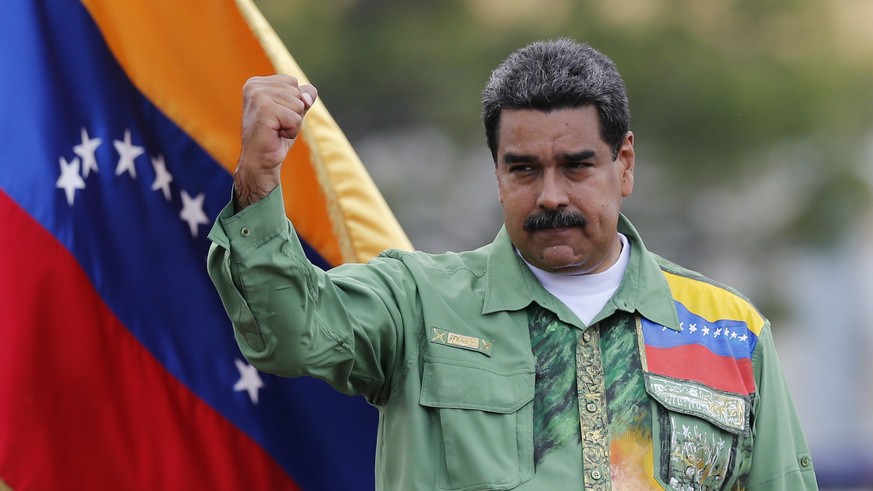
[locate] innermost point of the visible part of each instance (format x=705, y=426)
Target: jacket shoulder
x=447, y=263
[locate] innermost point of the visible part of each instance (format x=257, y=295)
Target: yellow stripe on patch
x=714, y=303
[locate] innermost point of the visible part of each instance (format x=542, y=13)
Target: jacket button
x=595, y=474
x=591, y=407
x=586, y=336
x=805, y=461
x=245, y=232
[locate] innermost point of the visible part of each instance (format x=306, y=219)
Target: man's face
x=560, y=188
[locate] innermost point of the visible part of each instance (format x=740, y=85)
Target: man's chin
x=559, y=259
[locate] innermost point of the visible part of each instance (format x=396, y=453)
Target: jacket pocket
x=702, y=436
x=486, y=422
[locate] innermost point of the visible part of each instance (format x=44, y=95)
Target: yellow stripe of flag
x=714, y=303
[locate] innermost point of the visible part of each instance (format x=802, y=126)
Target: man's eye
x=579, y=165
x=520, y=169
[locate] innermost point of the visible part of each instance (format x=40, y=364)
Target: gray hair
x=557, y=74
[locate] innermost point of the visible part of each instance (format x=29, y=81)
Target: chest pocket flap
x=450, y=385
x=729, y=412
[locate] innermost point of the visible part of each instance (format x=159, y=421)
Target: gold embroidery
x=725, y=410
x=463, y=341
x=698, y=459
x=441, y=336
x=593, y=421
x=641, y=343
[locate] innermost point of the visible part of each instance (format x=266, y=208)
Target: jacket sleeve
x=293, y=319
x=781, y=460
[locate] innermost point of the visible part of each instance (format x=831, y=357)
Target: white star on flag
x=249, y=380
x=127, y=152
x=86, y=150
x=705, y=331
x=70, y=180
x=693, y=328
x=192, y=212
x=162, y=176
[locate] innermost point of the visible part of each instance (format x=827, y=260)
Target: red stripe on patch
x=83, y=405
x=697, y=363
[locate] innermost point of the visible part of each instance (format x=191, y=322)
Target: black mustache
x=549, y=219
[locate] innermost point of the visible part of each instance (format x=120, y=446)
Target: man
x=563, y=355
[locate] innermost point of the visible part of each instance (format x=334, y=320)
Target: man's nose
x=553, y=192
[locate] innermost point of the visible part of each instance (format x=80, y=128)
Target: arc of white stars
x=192, y=212
x=163, y=178
x=86, y=150
x=70, y=180
x=127, y=152
x=249, y=380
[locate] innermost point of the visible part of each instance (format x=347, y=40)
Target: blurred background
x=754, y=141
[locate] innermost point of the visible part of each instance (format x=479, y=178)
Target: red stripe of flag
x=699, y=364
x=78, y=381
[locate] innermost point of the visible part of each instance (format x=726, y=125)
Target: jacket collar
x=511, y=286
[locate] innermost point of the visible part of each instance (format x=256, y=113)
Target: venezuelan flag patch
x=716, y=353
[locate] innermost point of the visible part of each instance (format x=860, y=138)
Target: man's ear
x=626, y=158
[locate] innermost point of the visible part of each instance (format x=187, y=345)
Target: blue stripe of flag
x=723, y=337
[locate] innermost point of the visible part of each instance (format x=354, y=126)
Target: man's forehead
x=569, y=131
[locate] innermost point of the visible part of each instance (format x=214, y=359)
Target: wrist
x=251, y=186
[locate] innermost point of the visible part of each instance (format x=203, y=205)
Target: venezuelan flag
x=718, y=336
x=119, y=130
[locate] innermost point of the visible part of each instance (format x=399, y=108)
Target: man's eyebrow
x=578, y=156
x=516, y=158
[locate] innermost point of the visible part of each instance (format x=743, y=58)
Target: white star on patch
x=86, y=150
x=127, y=152
x=249, y=380
x=192, y=212
x=693, y=328
x=163, y=178
x=705, y=330
x=70, y=180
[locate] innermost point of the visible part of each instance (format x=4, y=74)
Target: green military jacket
x=485, y=381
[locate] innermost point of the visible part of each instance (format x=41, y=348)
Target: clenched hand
x=273, y=111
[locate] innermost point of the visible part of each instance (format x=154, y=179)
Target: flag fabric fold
x=118, y=368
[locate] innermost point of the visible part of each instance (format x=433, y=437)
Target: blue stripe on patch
x=723, y=337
